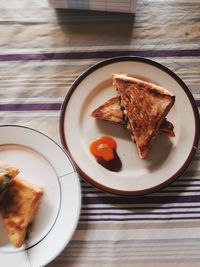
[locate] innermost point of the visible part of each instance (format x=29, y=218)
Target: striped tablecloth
x=42, y=53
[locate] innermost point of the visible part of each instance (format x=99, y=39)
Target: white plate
x=168, y=158
x=44, y=163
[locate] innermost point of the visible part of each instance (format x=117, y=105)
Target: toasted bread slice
x=111, y=111
x=7, y=173
x=145, y=106
x=19, y=207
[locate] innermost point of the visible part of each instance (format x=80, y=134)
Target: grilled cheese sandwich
x=144, y=106
x=111, y=111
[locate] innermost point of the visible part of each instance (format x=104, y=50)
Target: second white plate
x=42, y=162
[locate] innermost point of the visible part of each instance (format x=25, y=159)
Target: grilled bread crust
x=19, y=207
x=145, y=105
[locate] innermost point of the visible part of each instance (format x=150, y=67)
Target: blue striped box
x=126, y=6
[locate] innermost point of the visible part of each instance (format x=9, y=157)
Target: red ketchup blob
x=104, y=151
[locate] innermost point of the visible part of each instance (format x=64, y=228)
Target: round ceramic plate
x=42, y=162
x=168, y=158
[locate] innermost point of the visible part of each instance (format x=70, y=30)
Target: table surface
x=42, y=52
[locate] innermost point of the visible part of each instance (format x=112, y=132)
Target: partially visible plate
x=168, y=158
x=42, y=162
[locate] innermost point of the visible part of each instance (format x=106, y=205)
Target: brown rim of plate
x=195, y=112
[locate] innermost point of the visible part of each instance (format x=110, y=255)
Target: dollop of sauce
x=104, y=151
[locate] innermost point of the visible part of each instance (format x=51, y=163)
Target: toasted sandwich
x=111, y=111
x=144, y=106
x=19, y=207
x=7, y=173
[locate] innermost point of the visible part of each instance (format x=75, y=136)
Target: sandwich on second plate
x=19, y=206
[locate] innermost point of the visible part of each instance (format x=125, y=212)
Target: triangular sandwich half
x=145, y=106
x=19, y=207
x=111, y=111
